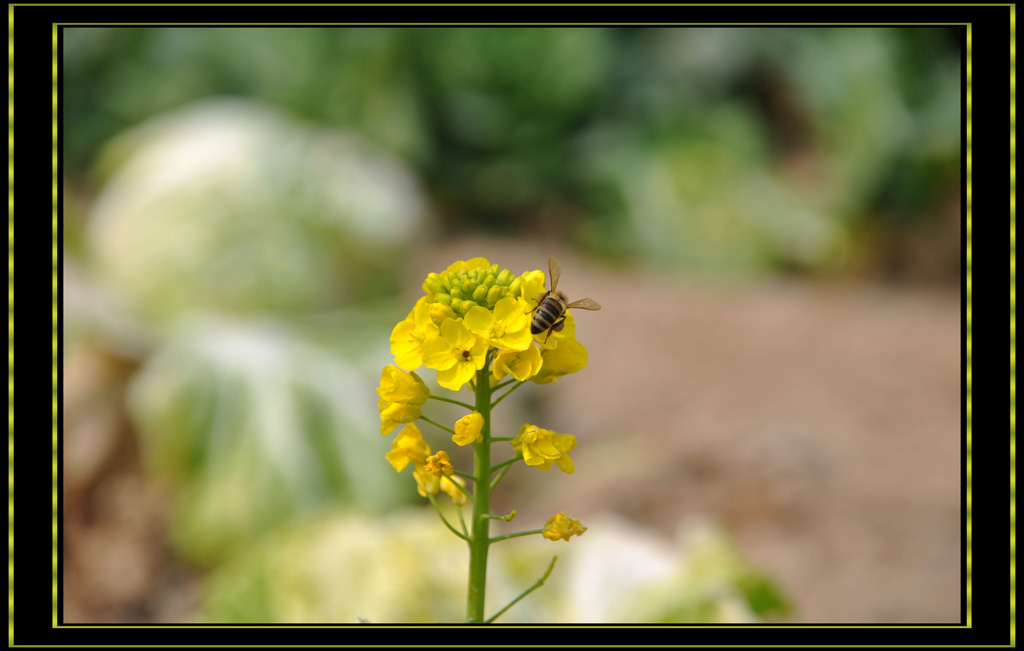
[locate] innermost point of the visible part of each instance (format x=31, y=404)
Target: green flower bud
x=443, y=298
x=457, y=294
x=480, y=293
x=515, y=287
x=504, y=277
x=433, y=284
x=495, y=294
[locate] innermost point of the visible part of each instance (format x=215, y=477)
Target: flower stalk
x=479, y=541
x=475, y=326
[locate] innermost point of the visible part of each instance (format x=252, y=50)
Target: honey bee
x=552, y=304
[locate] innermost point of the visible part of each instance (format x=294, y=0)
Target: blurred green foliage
x=714, y=148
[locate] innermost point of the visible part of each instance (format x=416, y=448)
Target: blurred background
x=769, y=422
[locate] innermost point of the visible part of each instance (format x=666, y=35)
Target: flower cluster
x=474, y=307
x=473, y=326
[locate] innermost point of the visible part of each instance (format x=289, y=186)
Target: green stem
x=437, y=508
x=454, y=402
x=437, y=424
x=464, y=475
x=463, y=488
x=479, y=538
x=502, y=397
x=502, y=385
x=503, y=518
x=503, y=464
x=518, y=534
x=533, y=587
x=494, y=482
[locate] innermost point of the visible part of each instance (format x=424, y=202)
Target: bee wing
x=585, y=304
x=554, y=271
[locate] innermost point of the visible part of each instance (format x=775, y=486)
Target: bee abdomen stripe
x=549, y=314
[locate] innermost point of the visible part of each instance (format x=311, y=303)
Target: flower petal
x=480, y=320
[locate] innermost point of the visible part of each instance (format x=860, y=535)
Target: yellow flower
x=568, y=331
x=569, y=356
x=508, y=326
x=448, y=486
x=468, y=265
x=533, y=286
x=408, y=447
x=407, y=337
x=439, y=313
x=427, y=483
x=439, y=464
x=562, y=527
x=456, y=354
x=393, y=414
x=543, y=448
x=398, y=386
x=520, y=364
x=468, y=429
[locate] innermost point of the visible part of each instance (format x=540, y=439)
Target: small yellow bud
x=439, y=464
x=468, y=429
x=562, y=527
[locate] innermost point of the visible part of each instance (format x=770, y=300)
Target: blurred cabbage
x=249, y=425
x=231, y=206
x=407, y=567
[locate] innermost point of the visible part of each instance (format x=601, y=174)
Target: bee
x=552, y=304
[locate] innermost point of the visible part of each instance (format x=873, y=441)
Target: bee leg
x=557, y=327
